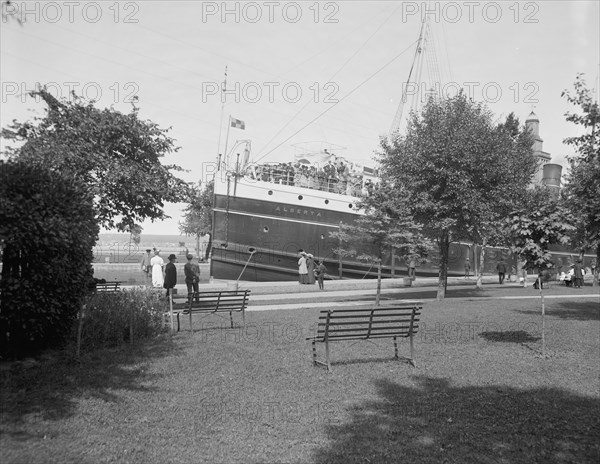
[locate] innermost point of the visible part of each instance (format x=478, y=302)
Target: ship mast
x=413, y=83
x=223, y=90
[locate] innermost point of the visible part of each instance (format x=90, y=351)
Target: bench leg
x=395, y=348
x=314, y=352
x=231, y=318
x=178, y=325
x=327, y=356
x=412, y=352
x=191, y=326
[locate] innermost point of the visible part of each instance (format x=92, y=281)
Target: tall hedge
x=47, y=232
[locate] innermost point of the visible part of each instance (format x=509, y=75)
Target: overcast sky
x=297, y=71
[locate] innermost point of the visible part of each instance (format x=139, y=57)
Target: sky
x=299, y=74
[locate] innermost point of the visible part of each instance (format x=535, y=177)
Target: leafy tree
x=386, y=224
x=47, y=231
x=532, y=228
x=459, y=171
x=197, y=215
x=117, y=155
x=582, y=191
x=514, y=145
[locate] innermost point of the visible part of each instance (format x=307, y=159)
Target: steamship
x=261, y=222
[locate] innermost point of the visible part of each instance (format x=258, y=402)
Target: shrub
x=47, y=232
x=108, y=317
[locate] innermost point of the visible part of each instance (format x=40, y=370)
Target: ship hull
x=259, y=228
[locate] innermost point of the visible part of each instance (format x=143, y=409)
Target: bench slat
x=376, y=319
x=386, y=329
x=388, y=307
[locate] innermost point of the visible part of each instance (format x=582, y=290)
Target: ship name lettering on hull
x=283, y=210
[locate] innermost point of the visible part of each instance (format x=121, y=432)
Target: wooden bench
x=108, y=286
x=366, y=323
x=211, y=302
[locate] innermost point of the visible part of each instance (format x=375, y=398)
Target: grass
x=480, y=394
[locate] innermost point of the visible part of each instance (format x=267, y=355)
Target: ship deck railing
x=351, y=184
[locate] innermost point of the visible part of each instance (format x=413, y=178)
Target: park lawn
x=480, y=393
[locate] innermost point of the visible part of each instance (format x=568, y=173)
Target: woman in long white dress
x=157, y=264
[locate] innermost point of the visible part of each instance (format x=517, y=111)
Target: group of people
x=574, y=277
x=311, y=270
x=336, y=178
x=165, y=275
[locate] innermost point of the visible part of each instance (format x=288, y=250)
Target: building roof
x=532, y=117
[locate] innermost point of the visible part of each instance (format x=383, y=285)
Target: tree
x=582, y=190
x=532, y=228
x=386, y=224
x=459, y=171
x=486, y=226
x=47, y=230
x=116, y=155
x=197, y=215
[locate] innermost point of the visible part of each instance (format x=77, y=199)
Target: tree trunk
x=443, y=276
x=479, y=284
x=597, y=271
x=378, y=283
x=198, y=245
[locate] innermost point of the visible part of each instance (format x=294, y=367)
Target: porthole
x=300, y=197
x=326, y=202
x=270, y=192
x=265, y=229
x=350, y=206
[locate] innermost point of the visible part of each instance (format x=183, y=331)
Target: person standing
x=145, y=264
x=192, y=275
x=302, y=270
x=467, y=268
x=157, y=264
x=577, y=274
x=321, y=270
x=170, y=274
x=412, y=265
x=501, y=268
x=310, y=269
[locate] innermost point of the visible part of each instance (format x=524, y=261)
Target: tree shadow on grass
x=511, y=336
x=52, y=385
x=436, y=422
x=577, y=310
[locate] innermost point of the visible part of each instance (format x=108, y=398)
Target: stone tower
x=533, y=125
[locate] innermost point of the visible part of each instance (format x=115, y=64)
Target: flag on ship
x=238, y=124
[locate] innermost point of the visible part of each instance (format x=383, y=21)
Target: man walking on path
x=321, y=270
x=467, y=268
x=501, y=268
x=146, y=266
x=170, y=275
x=192, y=275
